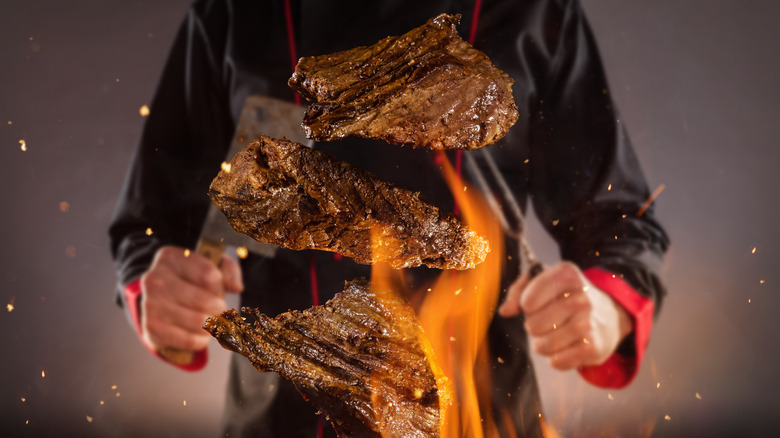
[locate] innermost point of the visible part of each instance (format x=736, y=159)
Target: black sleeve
x=183, y=142
x=586, y=183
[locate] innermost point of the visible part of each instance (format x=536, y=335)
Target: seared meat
x=282, y=193
x=427, y=88
x=360, y=359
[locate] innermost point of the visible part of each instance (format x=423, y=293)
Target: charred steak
x=427, y=88
x=360, y=359
x=282, y=193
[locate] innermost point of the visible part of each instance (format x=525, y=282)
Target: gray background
x=696, y=82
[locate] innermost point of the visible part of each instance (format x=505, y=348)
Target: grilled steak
x=427, y=88
x=282, y=193
x=360, y=359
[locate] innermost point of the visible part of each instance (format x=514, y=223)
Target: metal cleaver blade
x=260, y=115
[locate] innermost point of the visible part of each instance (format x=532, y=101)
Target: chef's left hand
x=570, y=321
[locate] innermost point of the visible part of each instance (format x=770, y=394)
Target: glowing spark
x=10, y=307
x=609, y=396
x=186, y=252
x=113, y=386
x=64, y=206
x=526, y=161
x=698, y=396
x=761, y=281
x=500, y=360
x=24, y=145
x=242, y=252
x=24, y=399
x=754, y=250
x=10, y=122
x=658, y=385
x=650, y=200
x=149, y=232
x=102, y=402
x=609, y=187
x=566, y=294
x=555, y=326
x=89, y=419
x=457, y=292
x=143, y=111
x=452, y=338
x=226, y=167
x=184, y=403
x=748, y=300
x=555, y=222
x=585, y=341
x=418, y=394
x=667, y=417
x=27, y=422
x=117, y=394
x=43, y=374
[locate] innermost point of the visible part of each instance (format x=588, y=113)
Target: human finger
x=562, y=337
x=557, y=313
x=511, y=304
x=165, y=289
x=579, y=353
x=231, y=274
x=543, y=289
x=160, y=331
x=191, y=267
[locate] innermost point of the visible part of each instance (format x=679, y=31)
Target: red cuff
x=619, y=370
x=132, y=298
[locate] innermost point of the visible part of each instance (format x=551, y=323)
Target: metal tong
x=511, y=215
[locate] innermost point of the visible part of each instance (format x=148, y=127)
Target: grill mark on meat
x=282, y=193
x=427, y=88
x=358, y=359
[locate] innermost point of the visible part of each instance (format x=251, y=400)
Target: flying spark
x=698, y=396
x=650, y=200
x=89, y=419
x=143, y=111
x=23, y=145
x=10, y=307
x=226, y=167
x=43, y=374
x=753, y=251
x=667, y=417
x=186, y=252
x=242, y=252
x=149, y=232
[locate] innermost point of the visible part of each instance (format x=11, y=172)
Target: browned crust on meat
x=427, y=88
x=282, y=193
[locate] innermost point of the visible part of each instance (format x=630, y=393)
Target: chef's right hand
x=178, y=292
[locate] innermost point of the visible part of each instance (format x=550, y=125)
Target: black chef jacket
x=568, y=154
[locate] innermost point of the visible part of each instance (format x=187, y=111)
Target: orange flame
x=455, y=314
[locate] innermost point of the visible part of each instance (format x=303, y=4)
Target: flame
x=455, y=313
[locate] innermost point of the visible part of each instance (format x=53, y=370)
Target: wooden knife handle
x=213, y=251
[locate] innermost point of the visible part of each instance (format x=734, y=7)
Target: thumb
x=231, y=274
x=511, y=305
